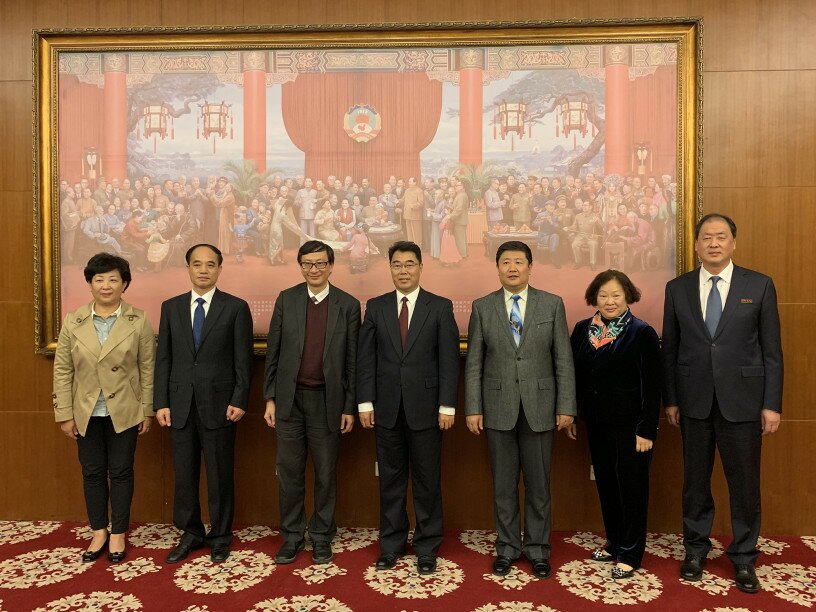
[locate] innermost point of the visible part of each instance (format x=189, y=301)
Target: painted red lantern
x=511, y=118
x=217, y=119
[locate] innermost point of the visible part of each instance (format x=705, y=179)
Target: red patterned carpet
x=40, y=570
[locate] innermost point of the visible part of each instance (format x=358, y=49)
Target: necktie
x=198, y=323
x=515, y=320
x=713, y=307
x=403, y=321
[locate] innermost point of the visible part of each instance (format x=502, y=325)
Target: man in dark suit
x=201, y=389
x=520, y=386
x=309, y=385
x=722, y=360
x=407, y=377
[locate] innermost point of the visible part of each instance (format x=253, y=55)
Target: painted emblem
x=362, y=123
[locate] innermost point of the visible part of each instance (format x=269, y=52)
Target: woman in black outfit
x=617, y=378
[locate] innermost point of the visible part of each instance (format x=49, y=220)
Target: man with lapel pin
x=201, y=389
x=407, y=379
x=309, y=385
x=519, y=386
x=722, y=360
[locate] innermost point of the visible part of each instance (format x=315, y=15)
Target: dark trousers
x=622, y=479
x=306, y=431
x=105, y=454
x=397, y=449
x=521, y=450
x=739, y=445
x=218, y=448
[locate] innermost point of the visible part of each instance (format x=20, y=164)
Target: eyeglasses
x=408, y=266
x=307, y=265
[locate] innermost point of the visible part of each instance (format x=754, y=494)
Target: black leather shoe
x=219, y=553
x=388, y=560
x=322, y=552
x=288, y=551
x=692, y=568
x=599, y=554
x=618, y=573
x=426, y=564
x=502, y=565
x=117, y=557
x=745, y=578
x=541, y=568
x=92, y=555
x=180, y=552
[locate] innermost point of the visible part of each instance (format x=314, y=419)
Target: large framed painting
x=581, y=139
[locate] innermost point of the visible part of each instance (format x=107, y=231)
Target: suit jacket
x=218, y=375
x=122, y=369
x=285, y=346
x=538, y=373
x=424, y=376
x=619, y=383
x=742, y=363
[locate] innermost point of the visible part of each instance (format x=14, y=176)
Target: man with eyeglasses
x=309, y=386
x=407, y=377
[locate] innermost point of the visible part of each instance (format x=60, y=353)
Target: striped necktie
x=515, y=320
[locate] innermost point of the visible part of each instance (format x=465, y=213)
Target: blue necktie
x=515, y=320
x=198, y=323
x=713, y=307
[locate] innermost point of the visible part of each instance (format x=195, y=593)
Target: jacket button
x=111, y=396
x=114, y=368
x=518, y=358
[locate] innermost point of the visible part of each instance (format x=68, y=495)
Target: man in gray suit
x=722, y=359
x=309, y=385
x=520, y=386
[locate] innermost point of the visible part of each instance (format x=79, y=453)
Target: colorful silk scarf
x=601, y=334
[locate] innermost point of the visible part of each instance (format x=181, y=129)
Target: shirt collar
x=115, y=313
x=207, y=297
x=523, y=293
x=318, y=297
x=412, y=297
x=725, y=275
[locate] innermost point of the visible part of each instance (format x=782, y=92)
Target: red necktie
x=403, y=321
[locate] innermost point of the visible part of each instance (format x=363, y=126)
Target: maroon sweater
x=310, y=374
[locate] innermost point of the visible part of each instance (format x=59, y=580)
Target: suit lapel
x=392, y=321
x=85, y=331
x=331, y=320
x=533, y=303
x=693, y=295
x=301, y=304
x=420, y=314
x=215, y=310
x=504, y=320
x=186, y=320
x=120, y=331
x=738, y=282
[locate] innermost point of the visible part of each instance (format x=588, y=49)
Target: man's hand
x=572, y=431
x=346, y=423
x=445, y=421
x=563, y=421
x=163, y=417
x=643, y=444
x=673, y=415
x=69, y=428
x=269, y=413
x=367, y=419
x=144, y=426
x=234, y=413
x=770, y=421
x=475, y=423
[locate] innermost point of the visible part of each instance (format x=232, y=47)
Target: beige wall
x=759, y=167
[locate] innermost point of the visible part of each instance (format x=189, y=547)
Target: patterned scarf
x=601, y=334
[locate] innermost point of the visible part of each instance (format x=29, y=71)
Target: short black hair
x=214, y=249
x=514, y=245
x=405, y=246
x=731, y=225
x=107, y=262
x=315, y=246
x=630, y=292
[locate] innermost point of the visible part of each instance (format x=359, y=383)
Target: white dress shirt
x=412, y=298
x=723, y=285
x=318, y=297
x=207, y=301
x=508, y=302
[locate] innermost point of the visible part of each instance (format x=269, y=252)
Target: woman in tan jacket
x=103, y=397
